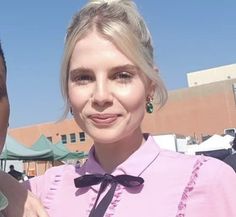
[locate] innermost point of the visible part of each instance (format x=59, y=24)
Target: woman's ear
x=152, y=85
x=152, y=89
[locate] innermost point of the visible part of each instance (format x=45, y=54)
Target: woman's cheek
x=131, y=98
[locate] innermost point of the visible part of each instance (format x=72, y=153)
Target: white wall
x=211, y=75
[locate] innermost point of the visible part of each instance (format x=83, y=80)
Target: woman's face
x=107, y=92
x=4, y=105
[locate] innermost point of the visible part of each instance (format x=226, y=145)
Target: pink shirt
x=175, y=185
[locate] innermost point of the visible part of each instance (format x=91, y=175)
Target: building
x=65, y=131
x=196, y=111
x=211, y=75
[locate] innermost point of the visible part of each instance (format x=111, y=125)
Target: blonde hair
x=120, y=22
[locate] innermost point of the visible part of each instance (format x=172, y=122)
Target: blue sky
x=187, y=35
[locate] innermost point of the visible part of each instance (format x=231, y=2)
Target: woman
x=109, y=80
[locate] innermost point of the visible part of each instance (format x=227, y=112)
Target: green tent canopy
x=13, y=150
x=60, y=152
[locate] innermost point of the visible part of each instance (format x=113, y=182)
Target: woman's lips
x=103, y=119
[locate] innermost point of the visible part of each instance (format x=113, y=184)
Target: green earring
x=149, y=106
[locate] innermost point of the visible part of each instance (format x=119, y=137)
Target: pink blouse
x=175, y=185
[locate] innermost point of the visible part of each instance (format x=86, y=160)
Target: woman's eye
x=123, y=76
x=82, y=79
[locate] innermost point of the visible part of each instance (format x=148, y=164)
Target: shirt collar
x=135, y=165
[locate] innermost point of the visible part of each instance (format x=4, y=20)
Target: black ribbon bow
x=94, y=179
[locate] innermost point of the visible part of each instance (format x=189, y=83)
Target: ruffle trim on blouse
x=190, y=186
x=111, y=209
x=49, y=198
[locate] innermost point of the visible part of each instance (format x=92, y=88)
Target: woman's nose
x=102, y=94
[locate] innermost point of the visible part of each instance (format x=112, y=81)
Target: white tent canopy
x=215, y=142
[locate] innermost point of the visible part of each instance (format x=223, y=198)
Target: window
x=64, y=139
x=49, y=138
x=81, y=136
x=72, y=138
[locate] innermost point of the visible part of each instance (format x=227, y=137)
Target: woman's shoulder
x=217, y=170
x=60, y=169
x=209, y=170
x=208, y=166
x=52, y=177
x=63, y=172
x=174, y=157
x=53, y=173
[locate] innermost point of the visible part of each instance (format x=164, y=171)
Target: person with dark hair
x=15, y=200
x=4, y=103
x=16, y=174
x=109, y=82
x=4, y=115
x=231, y=159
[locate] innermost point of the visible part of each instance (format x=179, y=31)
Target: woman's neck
x=111, y=155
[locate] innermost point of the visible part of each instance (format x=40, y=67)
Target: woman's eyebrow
x=80, y=70
x=126, y=67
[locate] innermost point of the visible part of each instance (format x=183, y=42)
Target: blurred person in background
x=14, y=173
x=231, y=159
